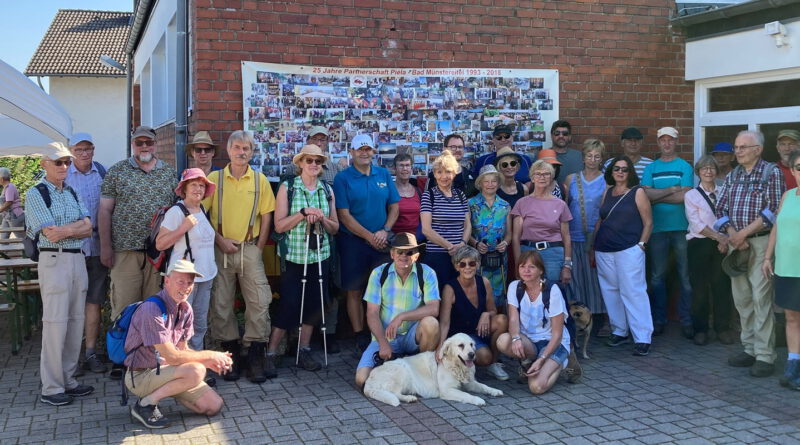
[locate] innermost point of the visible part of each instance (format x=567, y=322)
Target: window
x=785, y=93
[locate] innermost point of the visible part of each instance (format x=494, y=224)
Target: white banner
x=405, y=110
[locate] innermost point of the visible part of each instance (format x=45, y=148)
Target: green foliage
x=25, y=172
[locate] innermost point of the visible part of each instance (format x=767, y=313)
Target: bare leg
x=187, y=376
x=209, y=404
x=428, y=334
x=792, y=330
x=362, y=374
x=355, y=310
x=499, y=325
x=91, y=327
x=546, y=378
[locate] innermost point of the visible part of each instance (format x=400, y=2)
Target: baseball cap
x=791, y=134
x=667, y=131
x=318, y=130
x=56, y=151
x=80, y=137
x=183, y=266
x=362, y=140
x=502, y=129
x=722, y=147
x=631, y=133
x=143, y=131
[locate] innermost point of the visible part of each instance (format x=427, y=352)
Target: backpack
x=160, y=258
x=31, y=245
x=461, y=197
x=547, y=286
x=118, y=333
x=420, y=281
x=100, y=169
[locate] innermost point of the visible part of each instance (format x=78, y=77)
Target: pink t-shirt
x=11, y=194
x=541, y=218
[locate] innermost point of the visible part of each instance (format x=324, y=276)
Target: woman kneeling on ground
x=466, y=309
x=533, y=329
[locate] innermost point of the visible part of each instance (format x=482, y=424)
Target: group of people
x=494, y=251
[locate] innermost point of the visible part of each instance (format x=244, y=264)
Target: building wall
x=620, y=63
x=97, y=107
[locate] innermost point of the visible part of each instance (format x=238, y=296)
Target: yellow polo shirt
x=237, y=202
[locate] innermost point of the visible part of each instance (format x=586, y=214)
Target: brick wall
x=165, y=143
x=620, y=63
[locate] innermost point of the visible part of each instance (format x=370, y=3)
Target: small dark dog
x=583, y=324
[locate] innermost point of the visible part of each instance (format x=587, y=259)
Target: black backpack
x=31, y=246
x=160, y=258
x=420, y=281
x=547, y=286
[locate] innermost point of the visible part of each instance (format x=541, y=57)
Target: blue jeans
x=658, y=251
x=402, y=344
x=553, y=258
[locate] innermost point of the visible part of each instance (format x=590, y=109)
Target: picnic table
x=11, y=250
x=24, y=309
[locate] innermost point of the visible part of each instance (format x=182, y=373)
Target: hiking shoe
x=496, y=370
x=149, y=415
x=116, y=372
x=306, y=361
x=235, y=349
x=80, y=390
x=727, y=337
x=658, y=329
x=270, y=368
x=762, y=369
x=700, y=339
x=641, y=349
x=256, y=358
x=92, y=363
x=573, y=369
x=57, y=399
x=615, y=340
x=333, y=344
x=790, y=372
x=741, y=360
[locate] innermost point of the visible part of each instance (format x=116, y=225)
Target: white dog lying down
x=401, y=379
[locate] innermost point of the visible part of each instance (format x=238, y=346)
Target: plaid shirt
x=296, y=240
x=742, y=198
x=88, y=187
x=148, y=328
x=64, y=209
x=397, y=297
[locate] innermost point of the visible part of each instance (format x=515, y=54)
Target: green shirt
x=296, y=240
x=397, y=297
x=788, y=242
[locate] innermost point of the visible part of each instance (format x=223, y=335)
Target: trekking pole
x=317, y=231
x=302, y=295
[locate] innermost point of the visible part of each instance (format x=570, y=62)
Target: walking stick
x=317, y=232
x=302, y=296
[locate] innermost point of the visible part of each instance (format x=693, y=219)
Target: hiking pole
x=302, y=295
x=317, y=231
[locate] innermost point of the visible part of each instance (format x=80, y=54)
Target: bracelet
x=516, y=338
x=568, y=263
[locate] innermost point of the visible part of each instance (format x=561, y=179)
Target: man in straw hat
x=319, y=136
x=57, y=221
x=402, y=305
x=502, y=136
x=202, y=150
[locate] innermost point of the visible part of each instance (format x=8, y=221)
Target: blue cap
x=80, y=137
x=722, y=147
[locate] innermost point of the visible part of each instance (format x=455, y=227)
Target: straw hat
x=202, y=137
x=309, y=150
x=488, y=169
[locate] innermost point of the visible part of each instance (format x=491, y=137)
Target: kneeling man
x=161, y=364
x=401, y=311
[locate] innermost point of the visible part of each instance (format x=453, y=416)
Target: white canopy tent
x=29, y=117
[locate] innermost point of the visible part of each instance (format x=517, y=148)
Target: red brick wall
x=165, y=143
x=620, y=63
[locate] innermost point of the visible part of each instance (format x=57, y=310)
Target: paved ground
x=681, y=393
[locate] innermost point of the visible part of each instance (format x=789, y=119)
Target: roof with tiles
x=75, y=41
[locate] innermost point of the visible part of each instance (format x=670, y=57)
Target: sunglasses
x=502, y=137
x=408, y=252
x=148, y=142
x=797, y=167
x=508, y=164
x=455, y=147
x=463, y=264
x=617, y=168
x=60, y=163
x=561, y=133
x=203, y=149
x=310, y=161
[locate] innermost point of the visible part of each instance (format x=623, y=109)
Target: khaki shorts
x=148, y=381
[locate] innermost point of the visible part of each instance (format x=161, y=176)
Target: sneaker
x=791, y=371
x=80, y=390
x=57, y=399
x=496, y=370
x=741, y=360
x=762, y=369
x=306, y=361
x=641, y=349
x=116, y=372
x=727, y=337
x=700, y=339
x=149, y=415
x=658, y=329
x=92, y=363
x=615, y=340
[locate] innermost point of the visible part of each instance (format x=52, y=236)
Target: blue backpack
x=118, y=332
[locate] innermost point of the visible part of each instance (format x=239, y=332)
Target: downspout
x=129, y=103
x=181, y=72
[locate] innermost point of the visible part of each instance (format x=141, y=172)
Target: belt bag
x=492, y=260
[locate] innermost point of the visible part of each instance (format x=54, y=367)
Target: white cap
x=79, y=137
x=667, y=131
x=362, y=140
x=56, y=151
x=183, y=266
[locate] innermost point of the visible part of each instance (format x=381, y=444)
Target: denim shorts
x=402, y=344
x=480, y=342
x=560, y=355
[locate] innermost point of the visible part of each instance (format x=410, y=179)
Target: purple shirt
x=148, y=328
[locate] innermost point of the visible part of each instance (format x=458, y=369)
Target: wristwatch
x=642, y=244
x=568, y=264
x=387, y=229
x=303, y=211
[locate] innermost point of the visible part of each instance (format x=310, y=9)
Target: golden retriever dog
x=404, y=379
x=583, y=324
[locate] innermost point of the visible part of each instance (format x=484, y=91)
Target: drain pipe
x=181, y=74
x=129, y=103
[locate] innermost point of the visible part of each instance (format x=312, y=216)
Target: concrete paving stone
x=619, y=434
x=577, y=441
x=656, y=438
x=597, y=421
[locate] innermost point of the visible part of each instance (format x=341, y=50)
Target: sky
x=23, y=23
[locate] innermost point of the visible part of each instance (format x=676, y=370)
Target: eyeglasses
x=502, y=137
x=708, y=168
x=743, y=147
x=60, y=162
x=463, y=264
x=508, y=164
x=318, y=138
x=617, y=168
x=199, y=150
x=455, y=147
x=542, y=174
x=148, y=142
x=83, y=151
x=310, y=161
x=408, y=252
x=561, y=133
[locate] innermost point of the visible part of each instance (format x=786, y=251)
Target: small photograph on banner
x=409, y=110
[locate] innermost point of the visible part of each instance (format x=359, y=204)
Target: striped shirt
x=639, y=166
x=742, y=198
x=88, y=187
x=397, y=297
x=296, y=241
x=447, y=215
x=148, y=328
x=64, y=209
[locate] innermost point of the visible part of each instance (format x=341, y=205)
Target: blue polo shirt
x=667, y=216
x=489, y=158
x=365, y=196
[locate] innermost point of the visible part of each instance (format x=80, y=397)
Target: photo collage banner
x=404, y=110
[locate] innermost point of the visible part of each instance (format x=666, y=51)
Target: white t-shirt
x=201, y=239
x=532, y=312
